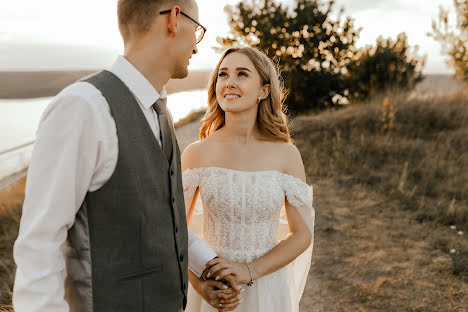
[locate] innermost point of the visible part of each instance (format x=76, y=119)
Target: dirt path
x=370, y=255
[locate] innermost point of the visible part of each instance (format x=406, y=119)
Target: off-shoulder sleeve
x=299, y=195
x=190, y=182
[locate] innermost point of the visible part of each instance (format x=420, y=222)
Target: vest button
x=181, y=258
x=173, y=200
x=185, y=286
x=176, y=229
x=172, y=172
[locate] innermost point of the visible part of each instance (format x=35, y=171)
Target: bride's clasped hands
x=220, y=269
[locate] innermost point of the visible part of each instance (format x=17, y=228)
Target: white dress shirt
x=75, y=152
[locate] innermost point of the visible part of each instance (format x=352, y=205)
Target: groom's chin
x=181, y=73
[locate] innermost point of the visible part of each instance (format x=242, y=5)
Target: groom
x=103, y=225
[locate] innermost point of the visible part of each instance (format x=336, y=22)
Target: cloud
x=357, y=6
x=389, y=18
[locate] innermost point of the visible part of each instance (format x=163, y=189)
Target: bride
x=257, y=210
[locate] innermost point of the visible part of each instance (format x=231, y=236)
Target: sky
x=83, y=34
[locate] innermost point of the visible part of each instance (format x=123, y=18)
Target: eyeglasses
x=199, y=32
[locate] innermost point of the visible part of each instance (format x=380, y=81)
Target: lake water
x=20, y=118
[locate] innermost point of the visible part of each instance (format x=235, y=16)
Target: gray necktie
x=164, y=124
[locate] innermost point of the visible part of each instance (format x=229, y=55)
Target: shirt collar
x=141, y=88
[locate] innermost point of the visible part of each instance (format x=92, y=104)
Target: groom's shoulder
x=80, y=90
x=80, y=95
x=80, y=100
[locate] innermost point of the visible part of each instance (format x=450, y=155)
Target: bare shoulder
x=195, y=155
x=287, y=150
x=292, y=160
x=192, y=155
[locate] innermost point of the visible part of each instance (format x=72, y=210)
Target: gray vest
x=127, y=250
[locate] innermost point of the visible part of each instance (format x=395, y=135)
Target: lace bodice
x=242, y=210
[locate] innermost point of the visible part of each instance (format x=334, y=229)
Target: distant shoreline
x=37, y=84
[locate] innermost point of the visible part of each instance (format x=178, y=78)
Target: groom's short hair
x=136, y=16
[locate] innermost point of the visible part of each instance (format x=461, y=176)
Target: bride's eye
x=243, y=74
x=222, y=74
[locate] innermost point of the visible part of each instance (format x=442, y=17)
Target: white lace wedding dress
x=243, y=218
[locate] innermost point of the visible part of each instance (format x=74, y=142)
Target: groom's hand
x=228, y=300
x=218, y=295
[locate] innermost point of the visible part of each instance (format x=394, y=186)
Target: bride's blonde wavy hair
x=271, y=118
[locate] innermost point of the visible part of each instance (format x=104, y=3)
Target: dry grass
x=385, y=198
x=419, y=158
x=370, y=255
x=11, y=200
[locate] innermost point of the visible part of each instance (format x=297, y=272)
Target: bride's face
x=238, y=86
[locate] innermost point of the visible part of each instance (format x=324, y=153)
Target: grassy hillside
x=414, y=150
x=390, y=190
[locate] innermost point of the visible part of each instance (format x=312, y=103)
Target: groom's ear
x=173, y=20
